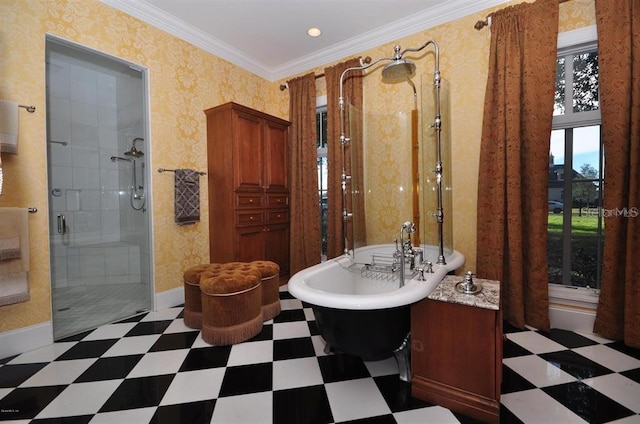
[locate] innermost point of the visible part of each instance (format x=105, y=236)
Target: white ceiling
x=268, y=37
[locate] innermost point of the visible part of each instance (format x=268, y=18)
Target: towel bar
x=32, y=210
x=161, y=170
x=30, y=109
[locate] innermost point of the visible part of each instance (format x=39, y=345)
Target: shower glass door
x=98, y=198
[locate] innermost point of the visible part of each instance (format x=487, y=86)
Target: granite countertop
x=488, y=298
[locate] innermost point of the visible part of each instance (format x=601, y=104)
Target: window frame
x=570, y=42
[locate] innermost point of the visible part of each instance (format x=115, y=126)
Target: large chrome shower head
x=399, y=68
x=134, y=152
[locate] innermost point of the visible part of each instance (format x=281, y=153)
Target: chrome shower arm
x=417, y=49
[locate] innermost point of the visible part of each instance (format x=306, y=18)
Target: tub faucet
x=406, y=249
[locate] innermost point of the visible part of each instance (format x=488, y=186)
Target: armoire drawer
x=249, y=200
x=249, y=217
x=279, y=215
x=277, y=200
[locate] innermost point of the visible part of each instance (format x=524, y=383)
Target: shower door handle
x=62, y=224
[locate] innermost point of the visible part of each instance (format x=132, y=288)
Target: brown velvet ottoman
x=192, y=302
x=231, y=304
x=270, y=272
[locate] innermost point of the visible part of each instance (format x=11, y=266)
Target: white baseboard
x=169, y=298
x=570, y=319
x=25, y=339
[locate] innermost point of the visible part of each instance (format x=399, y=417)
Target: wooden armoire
x=248, y=176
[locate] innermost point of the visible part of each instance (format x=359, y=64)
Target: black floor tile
x=341, y=367
x=514, y=382
x=382, y=419
x=632, y=374
x=508, y=417
x=76, y=337
x=26, y=403
x=290, y=316
x=110, y=368
x=88, y=349
x=135, y=318
x=305, y=405
x=265, y=334
x=568, y=339
x=627, y=350
x=245, y=379
x=15, y=375
x=138, y=393
x=587, y=403
x=508, y=328
x=285, y=295
x=313, y=328
x=206, y=357
x=397, y=394
x=187, y=413
x=511, y=349
x=301, y=347
x=575, y=364
x=174, y=341
x=148, y=327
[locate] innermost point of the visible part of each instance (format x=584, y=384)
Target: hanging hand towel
x=8, y=127
x=187, y=196
x=14, y=272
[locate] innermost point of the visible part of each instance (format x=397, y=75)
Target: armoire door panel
x=249, y=161
x=276, y=160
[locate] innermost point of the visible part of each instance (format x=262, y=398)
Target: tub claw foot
x=403, y=358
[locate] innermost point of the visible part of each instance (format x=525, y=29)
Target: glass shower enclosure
x=97, y=181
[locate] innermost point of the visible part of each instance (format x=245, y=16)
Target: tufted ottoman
x=270, y=273
x=192, y=302
x=231, y=304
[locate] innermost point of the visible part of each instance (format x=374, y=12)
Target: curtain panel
x=618, y=313
x=304, y=242
x=514, y=156
x=352, y=91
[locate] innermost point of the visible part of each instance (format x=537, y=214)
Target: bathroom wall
x=183, y=81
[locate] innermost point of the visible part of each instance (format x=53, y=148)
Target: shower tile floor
x=154, y=369
x=80, y=307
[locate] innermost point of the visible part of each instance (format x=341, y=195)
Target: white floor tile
x=142, y=415
x=111, y=331
x=299, y=372
x=4, y=392
x=362, y=392
x=59, y=372
x=608, y=357
x=290, y=330
x=616, y=386
x=287, y=304
x=132, y=345
x=44, y=354
x=385, y=367
x=163, y=315
x=318, y=345
x=199, y=342
x=432, y=414
x=536, y=407
x=251, y=353
x=80, y=399
x=159, y=363
x=193, y=386
x=178, y=326
x=256, y=408
x=535, y=342
x=538, y=371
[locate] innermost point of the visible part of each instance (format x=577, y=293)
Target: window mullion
x=568, y=203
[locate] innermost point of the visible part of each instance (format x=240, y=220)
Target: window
x=575, y=232
x=321, y=144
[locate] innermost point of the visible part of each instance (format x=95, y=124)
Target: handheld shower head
x=399, y=68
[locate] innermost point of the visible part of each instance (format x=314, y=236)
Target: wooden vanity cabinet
x=248, y=176
x=456, y=355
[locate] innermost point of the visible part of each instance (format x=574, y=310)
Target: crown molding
x=449, y=11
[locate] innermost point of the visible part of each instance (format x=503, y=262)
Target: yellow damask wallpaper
x=183, y=81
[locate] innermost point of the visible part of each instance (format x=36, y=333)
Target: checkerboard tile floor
x=154, y=369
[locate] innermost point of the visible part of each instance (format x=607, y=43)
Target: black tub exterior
x=371, y=334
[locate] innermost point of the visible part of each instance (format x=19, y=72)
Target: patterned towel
x=187, y=196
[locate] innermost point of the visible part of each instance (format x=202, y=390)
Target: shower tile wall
x=83, y=112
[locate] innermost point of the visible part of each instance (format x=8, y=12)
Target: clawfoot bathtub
x=363, y=312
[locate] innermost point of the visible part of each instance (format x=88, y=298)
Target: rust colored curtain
x=618, y=314
x=352, y=91
x=514, y=157
x=305, y=212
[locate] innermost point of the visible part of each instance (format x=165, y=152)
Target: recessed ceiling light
x=314, y=32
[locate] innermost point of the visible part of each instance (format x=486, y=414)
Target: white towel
x=14, y=273
x=8, y=127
